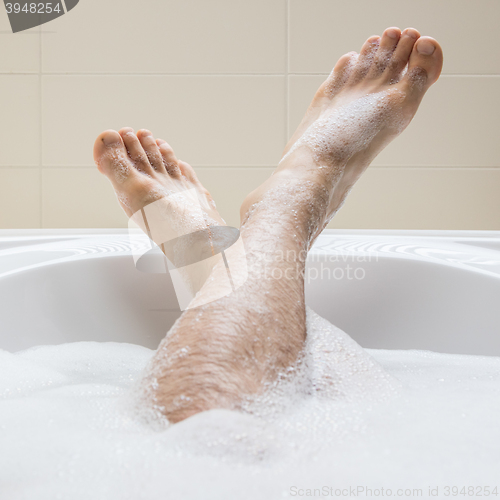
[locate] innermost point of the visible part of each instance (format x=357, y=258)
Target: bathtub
x=428, y=290
x=397, y=416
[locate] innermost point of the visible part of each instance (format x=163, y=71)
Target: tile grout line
x=287, y=67
x=40, y=121
x=229, y=167
x=156, y=74
x=4, y=73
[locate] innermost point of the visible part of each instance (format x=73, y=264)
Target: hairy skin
x=220, y=354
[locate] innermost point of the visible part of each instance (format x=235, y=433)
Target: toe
x=111, y=158
x=188, y=171
x=136, y=151
x=424, y=67
x=388, y=44
x=151, y=149
x=169, y=159
x=340, y=74
x=108, y=140
x=401, y=54
x=365, y=59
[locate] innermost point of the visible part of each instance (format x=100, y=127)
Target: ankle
x=298, y=204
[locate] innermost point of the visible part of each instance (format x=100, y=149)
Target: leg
x=217, y=355
x=199, y=349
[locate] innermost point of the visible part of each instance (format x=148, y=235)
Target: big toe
x=425, y=64
x=111, y=158
x=106, y=141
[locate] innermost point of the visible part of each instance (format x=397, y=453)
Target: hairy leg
x=219, y=354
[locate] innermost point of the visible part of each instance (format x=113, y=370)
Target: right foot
x=364, y=104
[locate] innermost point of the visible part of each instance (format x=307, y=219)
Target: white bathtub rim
x=468, y=257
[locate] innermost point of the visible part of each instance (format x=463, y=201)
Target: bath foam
x=65, y=431
x=332, y=368
x=21, y=377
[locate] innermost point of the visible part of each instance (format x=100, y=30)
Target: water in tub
x=347, y=423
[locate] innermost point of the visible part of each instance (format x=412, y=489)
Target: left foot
x=143, y=170
x=156, y=190
x=164, y=197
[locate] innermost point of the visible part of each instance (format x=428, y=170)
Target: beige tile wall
x=226, y=82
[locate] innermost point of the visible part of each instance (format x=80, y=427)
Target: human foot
x=162, y=195
x=143, y=170
x=364, y=104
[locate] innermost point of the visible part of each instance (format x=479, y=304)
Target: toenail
x=411, y=34
x=392, y=34
x=426, y=47
x=109, y=139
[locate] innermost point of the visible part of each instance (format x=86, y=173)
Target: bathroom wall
x=225, y=82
